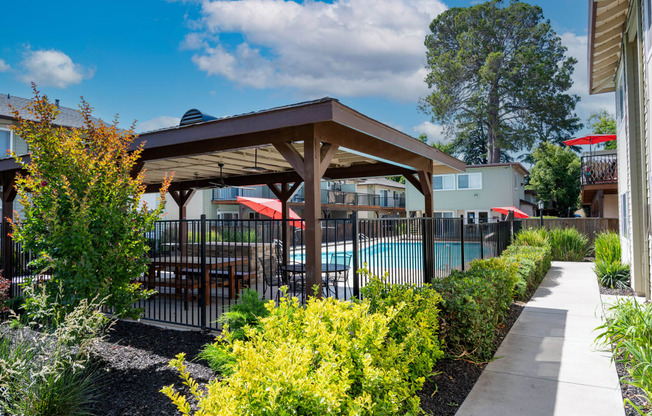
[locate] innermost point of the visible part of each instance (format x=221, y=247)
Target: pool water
x=404, y=255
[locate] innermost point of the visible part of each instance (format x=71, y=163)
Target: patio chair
x=341, y=263
x=293, y=281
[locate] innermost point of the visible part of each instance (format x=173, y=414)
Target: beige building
x=620, y=58
x=473, y=193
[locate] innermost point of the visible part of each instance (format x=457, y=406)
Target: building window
x=620, y=97
x=443, y=182
x=476, y=217
x=443, y=214
x=469, y=180
x=624, y=223
x=5, y=142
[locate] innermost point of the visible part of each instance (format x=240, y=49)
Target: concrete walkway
x=548, y=365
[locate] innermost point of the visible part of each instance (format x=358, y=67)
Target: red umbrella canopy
x=591, y=139
x=270, y=208
x=505, y=210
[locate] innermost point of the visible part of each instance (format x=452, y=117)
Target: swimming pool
x=403, y=255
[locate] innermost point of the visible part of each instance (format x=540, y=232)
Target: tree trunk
x=493, y=127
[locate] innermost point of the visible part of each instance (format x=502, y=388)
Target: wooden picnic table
x=192, y=265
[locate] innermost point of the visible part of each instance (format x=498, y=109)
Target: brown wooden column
x=425, y=178
x=311, y=167
x=312, y=187
x=424, y=185
x=8, y=197
x=284, y=194
x=182, y=197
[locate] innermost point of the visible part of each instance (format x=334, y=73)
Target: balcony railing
x=230, y=194
x=327, y=197
x=355, y=198
x=599, y=169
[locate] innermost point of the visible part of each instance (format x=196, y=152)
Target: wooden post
x=425, y=182
x=182, y=198
x=8, y=197
x=312, y=179
x=284, y=195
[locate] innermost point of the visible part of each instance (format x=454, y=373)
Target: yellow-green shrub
x=416, y=322
x=331, y=357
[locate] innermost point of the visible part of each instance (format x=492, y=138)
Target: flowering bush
x=82, y=207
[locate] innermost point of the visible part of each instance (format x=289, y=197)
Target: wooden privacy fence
x=587, y=226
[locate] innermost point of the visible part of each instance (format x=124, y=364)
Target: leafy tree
x=603, y=122
x=499, y=74
x=448, y=148
x=556, y=176
x=82, y=209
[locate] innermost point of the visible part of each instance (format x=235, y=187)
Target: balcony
x=230, y=194
x=330, y=197
x=600, y=168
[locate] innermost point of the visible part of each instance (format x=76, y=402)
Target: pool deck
x=548, y=364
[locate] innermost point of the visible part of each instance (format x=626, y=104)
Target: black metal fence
x=199, y=267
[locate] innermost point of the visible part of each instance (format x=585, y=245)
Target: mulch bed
x=444, y=393
x=628, y=392
x=134, y=360
x=628, y=291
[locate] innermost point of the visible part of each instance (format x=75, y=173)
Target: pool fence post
x=462, y=241
x=481, y=243
x=202, y=280
x=356, y=249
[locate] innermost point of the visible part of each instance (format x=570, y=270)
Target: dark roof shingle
x=68, y=117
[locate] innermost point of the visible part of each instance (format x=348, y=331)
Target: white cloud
x=52, y=68
x=588, y=104
x=347, y=48
x=435, y=132
x=157, y=123
x=4, y=67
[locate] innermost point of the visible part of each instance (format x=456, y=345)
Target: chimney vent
x=57, y=102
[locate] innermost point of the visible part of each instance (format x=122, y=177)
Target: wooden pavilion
x=298, y=143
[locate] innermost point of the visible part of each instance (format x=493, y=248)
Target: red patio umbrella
x=590, y=140
x=271, y=208
x=505, y=210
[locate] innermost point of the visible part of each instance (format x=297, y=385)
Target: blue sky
x=151, y=60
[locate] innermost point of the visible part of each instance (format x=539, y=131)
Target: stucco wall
x=499, y=188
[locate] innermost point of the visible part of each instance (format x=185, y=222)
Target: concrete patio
x=548, y=364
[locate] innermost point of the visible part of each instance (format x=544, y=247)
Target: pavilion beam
x=379, y=169
x=326, y=154
x=8, y=197
x=312, y=179
x=363, y=143
x=206, y=142
x=425, y=179
x=414, y=181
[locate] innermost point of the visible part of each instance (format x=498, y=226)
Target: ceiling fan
x=219, y=184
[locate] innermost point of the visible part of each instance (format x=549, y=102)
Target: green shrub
x=48, y=372
x=607, y=247
x=629, y=329
x=331, y=357
x=533, y=237
x=241, y=315
x=472, y=307
x=568, y=244
x=614, y=275
x=526, y=257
